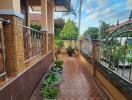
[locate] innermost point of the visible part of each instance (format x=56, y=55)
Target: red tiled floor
x=77, y=83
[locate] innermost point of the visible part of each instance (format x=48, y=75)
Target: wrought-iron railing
x=33, y=42
x=2, y=48
x=116, y=52
x=86, y=47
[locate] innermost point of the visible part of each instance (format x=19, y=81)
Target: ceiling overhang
x=60, y=5
x=59, y=22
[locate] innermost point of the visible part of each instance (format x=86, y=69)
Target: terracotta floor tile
x=77, y=83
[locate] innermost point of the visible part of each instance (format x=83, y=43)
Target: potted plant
x=70, y=50
x=49, y=92
x=58, y=62
x=59, y=44
x=58, y=66
x=52, y=79
x=57, y=69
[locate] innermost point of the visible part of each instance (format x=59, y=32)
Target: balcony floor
x=77, y=83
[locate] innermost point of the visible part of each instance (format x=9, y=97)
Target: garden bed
x=51, y=81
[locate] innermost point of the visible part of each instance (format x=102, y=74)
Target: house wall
x=22, y=87
x=111, y=90
x=107, y=79
x=22, y=76
x=10, y=5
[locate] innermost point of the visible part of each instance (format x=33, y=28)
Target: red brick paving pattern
x=77, y=83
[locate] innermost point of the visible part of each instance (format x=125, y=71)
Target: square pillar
x=52, y=46
x=25, y=12
x=2, y=53
x=49, y=41
x=44, y=14
x=52, y=42
x=95, y=52
x=50, y=12
x=14, y=47
x=44, y=23
x=13, y=35
x=45, y=45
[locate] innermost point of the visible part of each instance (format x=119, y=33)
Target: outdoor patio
x=65, y=50
x=77, y=83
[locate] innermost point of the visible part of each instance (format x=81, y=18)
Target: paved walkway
x=77, y=83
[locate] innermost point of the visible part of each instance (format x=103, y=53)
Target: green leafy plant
x=92, y=32
x=49, y=92
x=58, y=62
x=52, y=78
x=69, y=31
x=38, y=28
x=59, y=43
x=129, y=55
x=57, y=69
x=35, y=26
x=113, y=54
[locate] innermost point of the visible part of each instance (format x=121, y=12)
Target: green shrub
x=35, y=26
x=49, y=92
x=58, y=62
x=129, y=55
x=57, y=69
x=52, y=78
x=59, y=43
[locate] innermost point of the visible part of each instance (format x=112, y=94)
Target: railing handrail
x=33, y=42
x=2, y=74
x=30, y=28
x=118, y=35
x=111, y=33
x=5, y=21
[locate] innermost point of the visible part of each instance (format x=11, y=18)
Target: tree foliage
x=92, y=32
x=57, y=33
x=69, y=31
x=59, y=43
x=104, y=26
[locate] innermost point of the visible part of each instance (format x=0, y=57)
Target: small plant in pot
x=58, y=66
x=58, y=62
x=57, y=69
x=59, y=44
x=52, y=79
x=49, y=92
x=70, y=50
